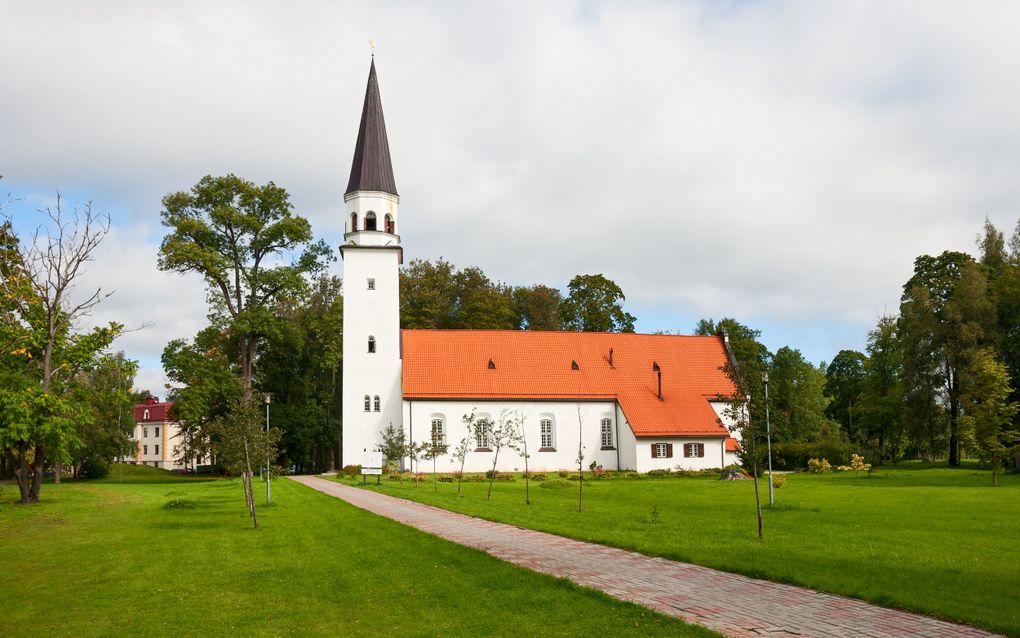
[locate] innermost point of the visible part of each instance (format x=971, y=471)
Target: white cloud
x=779, y=162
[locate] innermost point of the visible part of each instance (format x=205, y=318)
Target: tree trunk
x=954, y=423
x=58, y=468
x=37, y=475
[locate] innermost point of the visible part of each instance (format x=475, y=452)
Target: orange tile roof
x=454, y=364
x=732, y=445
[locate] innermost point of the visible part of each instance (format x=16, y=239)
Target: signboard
x=371, y=463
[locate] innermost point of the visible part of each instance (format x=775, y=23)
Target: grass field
x=168, y=555
x=938, y=541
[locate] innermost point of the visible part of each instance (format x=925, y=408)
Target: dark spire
x=372, y=169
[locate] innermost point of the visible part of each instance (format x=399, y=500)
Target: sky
x=782, y=163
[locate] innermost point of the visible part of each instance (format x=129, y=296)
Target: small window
x=483, y=433
x=375, y=402
x=371, y=283
x=368, y=403
x=155, y=449
x=145, y=449
x=145, y=431
x=546, y=429
x=438, y=431
x=157, y=431
x=354, y=222
x=694, y=450
x=371, y=345
x=607, y=433
x=370, y=221
x=145, y=415
x=390, y=227
x=662, y=450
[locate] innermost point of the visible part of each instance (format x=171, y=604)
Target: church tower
x=372, y=256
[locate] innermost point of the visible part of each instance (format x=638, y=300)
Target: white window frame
x=438, y=430
x=693, y=451
x=547, y=439
x=371, y=283
x=375, y=403
x=483, y=435
x=661, y=450
x=607, y=432
x=368, y=403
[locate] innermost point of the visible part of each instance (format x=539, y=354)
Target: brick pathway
x=733, y=605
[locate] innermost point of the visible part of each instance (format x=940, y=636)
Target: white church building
x=630, y=401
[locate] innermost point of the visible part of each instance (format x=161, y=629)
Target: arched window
x=370, y=221
x=607, y=433
x=354, y=222
x=390, y=227
x=375, y=402
x=145, y=415
x=371, y=344
x=483, y=433
x=545, y=427
x=368, y=403
x=438, y=430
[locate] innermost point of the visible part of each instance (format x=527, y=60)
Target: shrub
x=712, y=472
x=658, y=473
x=474, y=478
x=506, y=477
x=574, y=477
x=536, y=476
x=601, y=473
x=819, y=466
x=631, y=475
x=564, y=473
x=857, y=464
x=446, y=478
x=94, y=468
x=352, y=470
x=556, y=484
x=778, y=480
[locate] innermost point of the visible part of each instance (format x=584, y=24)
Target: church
x=629, y=401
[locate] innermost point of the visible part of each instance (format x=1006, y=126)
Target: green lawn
x=100, y=558
x=938, y=541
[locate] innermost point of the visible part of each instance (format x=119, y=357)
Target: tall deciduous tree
x=38, y=415
x=880, y=404
x=537, y=307
x=987, y=422
x=247, y=245
x=595, y=304
x=944, y=315
x=106, y=434
x=844, y=381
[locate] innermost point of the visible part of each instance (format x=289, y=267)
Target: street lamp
x=768, y=435
x=268, y=467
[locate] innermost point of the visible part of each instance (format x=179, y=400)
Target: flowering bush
x=819, y=466
x=600, y=472
x=857, y=464
x=778, y=480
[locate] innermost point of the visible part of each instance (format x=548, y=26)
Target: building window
x=692, y=450
x=438, y=431
x=368, y=403
x=145, y=449
x=370, y=221
x=607, y=433
x=375, y=401
x=391, y=228
x=371, y=345
x=145, y=415
x=662, y=450
x=354, y=222
x=145, y=432
x=483, y=434
x=155, y=449
x=371, y=283
x=157, y=431
x=545, y=427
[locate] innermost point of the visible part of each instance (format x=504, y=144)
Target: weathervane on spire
x=371, y=43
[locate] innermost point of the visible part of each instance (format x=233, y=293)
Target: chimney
x=611, y=358
x=658, y=371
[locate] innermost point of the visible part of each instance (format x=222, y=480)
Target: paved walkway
x=728, y=603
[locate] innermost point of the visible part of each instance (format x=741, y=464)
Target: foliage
x=393, y=445
x=987, y=411
x=352, y=470
x=556, y=484
x=537, y=307
x=844, y=383
x=819, y=466
x=105, y=436
x=595, y=304
x=778, y=480
x=857, y=464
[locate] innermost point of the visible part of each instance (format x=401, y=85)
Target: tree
x=537, y=308
x=519, y=444
x=987, y=411
x=428, y=294
x=243, y=438
x=797, y=401
x=580, y=457
x=844, y=381
x=235, y=235
x=944, y=316
x=106, y=434
x=595, y=304
x=38, y=415
x=393, y=444
x=880, y=405
x=460, y=453
x=501, y=434
x=432, y=450
x=481, y=304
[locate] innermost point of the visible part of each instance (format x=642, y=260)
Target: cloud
x=779, y=162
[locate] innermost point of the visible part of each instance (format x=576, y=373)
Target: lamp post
x=768, y=435
x=268, y=467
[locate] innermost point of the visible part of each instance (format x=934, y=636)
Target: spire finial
x=371, y=44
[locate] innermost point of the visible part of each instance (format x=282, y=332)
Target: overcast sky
x=778, y=162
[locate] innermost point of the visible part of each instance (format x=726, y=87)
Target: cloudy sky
x=779, y=162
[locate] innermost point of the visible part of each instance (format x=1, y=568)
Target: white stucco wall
x=714, y=449
x=367, y=313
x=418, y=418
x=168, y=440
